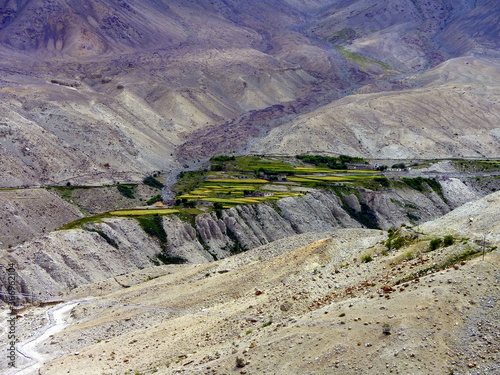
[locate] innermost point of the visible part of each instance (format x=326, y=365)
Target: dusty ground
x=106, y=198
x=290, y=308
x=27, y=213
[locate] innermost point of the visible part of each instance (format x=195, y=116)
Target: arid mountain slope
x=455, y=112
x=288, y=308
x=97, y=91
x=411, y=35
x=89, y=84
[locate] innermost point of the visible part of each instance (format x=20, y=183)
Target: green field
x=235, y=179
x=157, y=211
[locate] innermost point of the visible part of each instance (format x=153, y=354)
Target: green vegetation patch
x=127, y=191
x=398, y=239
x=79, y=223
x=478, y=165
x=156, y=198
x=363, y=62
x=153, y=225
x=169, y=259
x=330, y=162
x=144, y=212
x=382, y=181
x=153, y=182
x=242, y=181
x=341, y=36
x=418, y=183
x=223, y=158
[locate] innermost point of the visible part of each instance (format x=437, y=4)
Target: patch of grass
x=188, y=181
x=363, y=62
x=457, y=258
x=397, y=240
x=366, y=258
x=127, y=191
x=345, y=178
x=268, y=323
x=448, y=241
x=346, y=34
x=144, y=212
x=478, y=165
x=243, y=181
x=451, y=260
x=153, y=182
x=153, y=225
x=409, y=255
x=85, y=220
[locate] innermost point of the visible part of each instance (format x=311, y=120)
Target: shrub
x=218, y=205
x=267, y=324
x=399, y=165
x=222, y=158
x=168, y=259
x=395, y=243
x=217, y=167
x=434, y=244
x=366, y=258
x=126, y=190
x=240, y=362
x=448, y=241
x=330, y=162
x=386, y=329
x=156, y=198
x=382, y=181
x=153, y=182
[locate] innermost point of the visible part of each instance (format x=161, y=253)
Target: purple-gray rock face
x=98, y=91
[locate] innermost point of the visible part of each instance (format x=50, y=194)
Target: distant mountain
x=98, y=91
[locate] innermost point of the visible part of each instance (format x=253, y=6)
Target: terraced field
x=143, y=212
x=256, y=179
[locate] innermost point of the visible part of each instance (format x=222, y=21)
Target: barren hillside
x=94, y=92
x=290, y=265
x=338, y=301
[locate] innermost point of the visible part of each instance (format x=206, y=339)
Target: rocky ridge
x=302, y=303
x=63, y=260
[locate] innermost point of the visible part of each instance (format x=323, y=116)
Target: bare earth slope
x=302, y=309
x=99, y=91
x=455, y=113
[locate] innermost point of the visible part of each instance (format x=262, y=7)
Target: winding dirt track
x=57, y=317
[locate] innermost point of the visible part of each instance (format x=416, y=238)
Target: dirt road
x=29, y=349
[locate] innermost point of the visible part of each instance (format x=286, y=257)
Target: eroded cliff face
x=63, y=260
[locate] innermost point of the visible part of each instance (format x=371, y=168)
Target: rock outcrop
x=63, y=260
